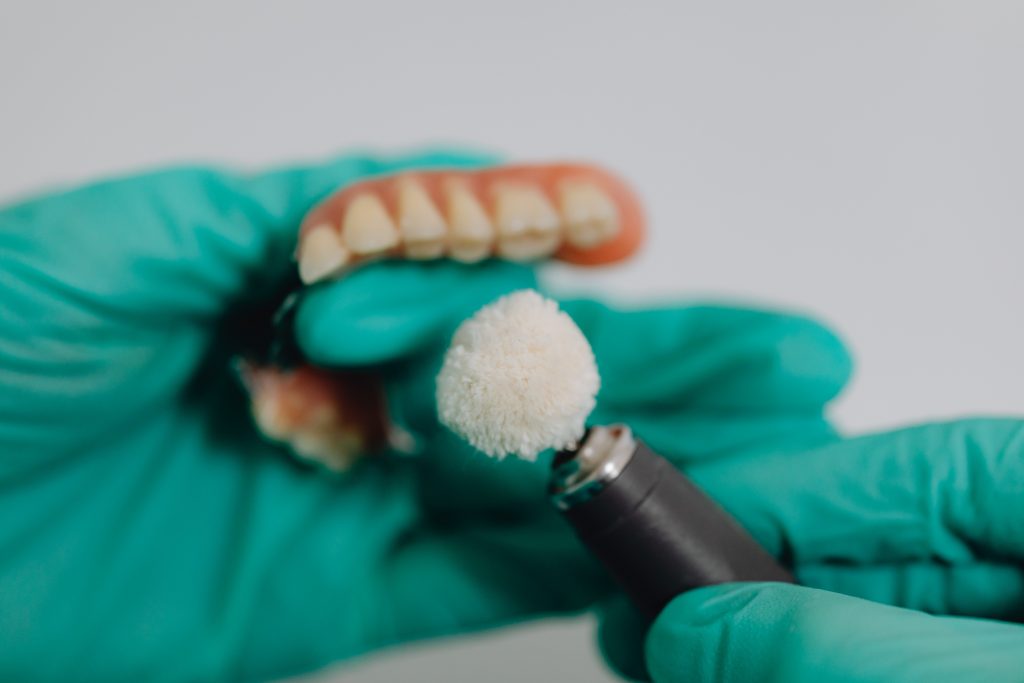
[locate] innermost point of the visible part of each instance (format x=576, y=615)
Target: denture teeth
x=527, y=223
x=472, y=232
x=421, y=225
x=335, y=449
x=321, y=254
x=268, y=419
x=367, y=228
x=590, y=215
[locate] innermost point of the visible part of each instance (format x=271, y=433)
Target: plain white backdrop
x=863, y=161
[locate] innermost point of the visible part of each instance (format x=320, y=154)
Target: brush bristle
x=519, y=378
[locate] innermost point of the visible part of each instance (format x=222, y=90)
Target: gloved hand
x=149, y=533
x=924, y=526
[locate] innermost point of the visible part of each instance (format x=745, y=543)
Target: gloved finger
x=992, y=591
x=179, y=242
x=950, y=492
x=384, y=311
x=979, y=589
x=685, y=436
x=712, y=358
x=778, y=632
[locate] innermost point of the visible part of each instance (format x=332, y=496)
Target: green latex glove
x=917, y=523
x=147, y=532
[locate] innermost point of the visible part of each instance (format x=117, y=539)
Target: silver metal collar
x=581, y=474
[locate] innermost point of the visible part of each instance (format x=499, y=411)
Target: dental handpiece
x=655, y=531
x=520, y=377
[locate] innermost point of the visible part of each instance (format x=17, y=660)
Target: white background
x=863, y=161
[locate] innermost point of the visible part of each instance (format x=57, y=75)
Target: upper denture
x=577, y=213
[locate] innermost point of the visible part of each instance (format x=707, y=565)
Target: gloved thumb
x=386, y=311
x=778, y=632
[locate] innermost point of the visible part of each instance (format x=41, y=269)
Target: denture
x=575, y=213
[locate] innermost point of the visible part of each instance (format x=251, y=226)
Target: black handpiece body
x=659, y=535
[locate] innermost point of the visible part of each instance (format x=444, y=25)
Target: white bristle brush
x=519, y=378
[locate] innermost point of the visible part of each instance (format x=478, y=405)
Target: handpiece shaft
x=658, y=534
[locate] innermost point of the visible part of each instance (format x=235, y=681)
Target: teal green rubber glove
x=911, y=547
x=149, y=533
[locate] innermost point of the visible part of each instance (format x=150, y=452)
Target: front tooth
x=321, y=254
x=528, y=225
x=367, y=228
x=590, y=215
x=472, y=232
x=422, y=226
